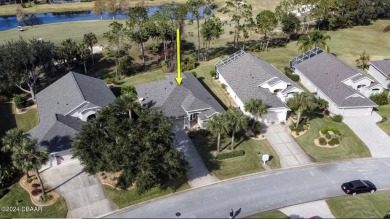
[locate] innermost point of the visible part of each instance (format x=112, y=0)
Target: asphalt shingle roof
x=382, y=65
x=175, y=100
x=55, y=129
x=327, y=72
x=247, y=72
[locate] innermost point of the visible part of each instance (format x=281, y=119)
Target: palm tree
x=90, y=40
x=218, y=125
x=236, y=121
x=255, y=107
x=11, y=141
x=315, y=38
x=82, y=54
x=301, y=102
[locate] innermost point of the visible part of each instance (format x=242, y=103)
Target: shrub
x=384, y=119
x=223, y=86
x=29, y=180
x=325, y=130
x=7, y=175
x=327, y=136
x=322, y=141
x=334, y=141
x=36, y=192
x=46, y=198
x=194, y=74
x=380, y=99
x=35, y=185
x=128, y=90
x=230, y=154
x=293, y=77
x=298, y=129
x=213, y=74
x=337, y=118
x=200, y=132
x=20, y=101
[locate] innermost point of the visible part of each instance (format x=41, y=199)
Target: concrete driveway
x=374, y=137
x=198, y=175
x=83, y=194
x=288, y=150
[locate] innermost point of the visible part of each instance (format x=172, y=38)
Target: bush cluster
x=334, y=141
x=380, y=99
x=230, y=154
x=20, y=101
x=36, y=192
x=293, y=77
x=322, y=141
x=200, y=132
x=327, y=136
x=337, y=118
x=325, y=130
x=213, y=74
x=46, y=198
x=223, y=86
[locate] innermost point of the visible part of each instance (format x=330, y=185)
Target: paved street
x=288, y=150
x=198, y=175
x=374, y=137
x=264, y=191
x=83, y=194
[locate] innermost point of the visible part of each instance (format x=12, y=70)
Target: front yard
x=237, y=166
x=350, y=145
x=20, y=199
x=384, y=111
x=361, y=206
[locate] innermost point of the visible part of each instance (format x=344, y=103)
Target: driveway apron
x=288, y=150
x=83, y=193
x=198, y=175
x=367, y=130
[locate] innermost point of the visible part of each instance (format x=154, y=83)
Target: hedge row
x=230, y=154
x=325, y=130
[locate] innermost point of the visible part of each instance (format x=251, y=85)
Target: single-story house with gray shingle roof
x=342, y=85
x=186, y=105
x=380, y=70
x=63, y=107
x=247, y=77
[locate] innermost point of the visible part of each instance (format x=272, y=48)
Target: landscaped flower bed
x=329, y=137
x=32, y=186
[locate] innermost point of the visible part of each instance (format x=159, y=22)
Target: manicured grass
x=270, y=214
x=28, y=120
x=384, y=111
x=374, y=205
x=17, y=193
x=237, y=166
x=350, y=146
x=124, y=198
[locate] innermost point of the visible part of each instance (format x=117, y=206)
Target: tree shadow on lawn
x=205, y=146
x=239, y=138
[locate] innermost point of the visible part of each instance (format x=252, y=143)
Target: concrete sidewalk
x=198, y=175
x=307, y=210
x=288, y=150
x=83, y=193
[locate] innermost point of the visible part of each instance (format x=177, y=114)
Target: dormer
x=358, y=82
x=274, y=85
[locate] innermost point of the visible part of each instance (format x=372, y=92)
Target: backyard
x=237, y=166
x=350, y=145
x=384, y=111
x=9, y=120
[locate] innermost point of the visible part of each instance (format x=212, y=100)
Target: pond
x=10, y=22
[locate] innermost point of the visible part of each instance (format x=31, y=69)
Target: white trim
x=362, y=79
x=195, y=110
x=267, y=81
x=76, y=107
x=95, y=107
x=351, y=77
x=291, y=89
x=377, y=85
x=355, y=95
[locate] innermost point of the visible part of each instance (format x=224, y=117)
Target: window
x=375, y=91
x=360, y=86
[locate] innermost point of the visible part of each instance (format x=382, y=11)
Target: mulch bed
x=35, y=198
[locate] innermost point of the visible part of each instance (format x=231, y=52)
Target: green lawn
x=124, y=198
x=237, y=166
x=18, y=197
x=350, y=146
x=374, y=205
x=384, y=111
x=270, y=214
x=9, y=120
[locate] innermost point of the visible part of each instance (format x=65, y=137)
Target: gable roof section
x=382, y=65
x=327, y=72
x=244, y=75
x=176, y=100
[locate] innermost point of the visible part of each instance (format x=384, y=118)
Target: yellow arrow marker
x=179, y=78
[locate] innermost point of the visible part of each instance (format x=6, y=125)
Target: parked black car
x=358, y=186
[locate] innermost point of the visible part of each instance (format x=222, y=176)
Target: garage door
x=357, y=112
x=272, y=117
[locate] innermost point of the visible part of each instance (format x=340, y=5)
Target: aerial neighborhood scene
x=194, y=109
